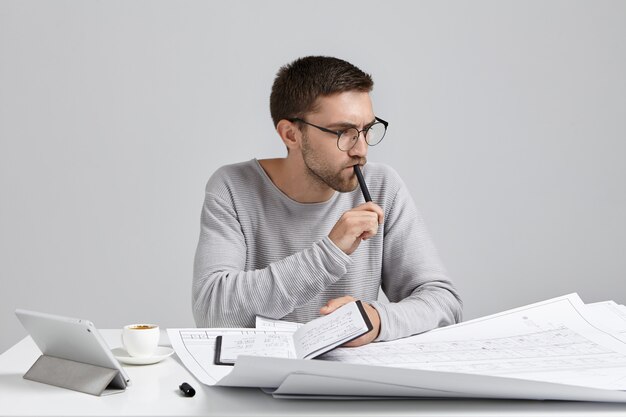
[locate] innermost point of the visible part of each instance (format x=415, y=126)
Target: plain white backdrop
x=507, y=122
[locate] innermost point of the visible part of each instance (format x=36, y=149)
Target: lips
x=361, y=163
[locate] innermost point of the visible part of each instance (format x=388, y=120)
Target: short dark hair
x=297, y=85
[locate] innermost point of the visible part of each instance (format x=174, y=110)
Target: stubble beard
x=322, y=173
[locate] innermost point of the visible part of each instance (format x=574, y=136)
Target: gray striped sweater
x=262, y=253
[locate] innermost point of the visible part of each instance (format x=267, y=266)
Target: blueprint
x=547, y=341
x=557, y=341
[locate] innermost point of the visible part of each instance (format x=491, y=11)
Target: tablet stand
x=77, y=376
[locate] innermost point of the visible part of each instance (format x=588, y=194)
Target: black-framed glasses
x=346, y=139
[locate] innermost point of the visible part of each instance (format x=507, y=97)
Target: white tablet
x=73, y=339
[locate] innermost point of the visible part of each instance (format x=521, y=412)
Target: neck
x=293, y=178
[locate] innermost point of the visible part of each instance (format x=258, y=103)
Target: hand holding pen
x=360, y=223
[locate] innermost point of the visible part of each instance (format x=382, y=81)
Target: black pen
x=187, y=390
x=359, y=176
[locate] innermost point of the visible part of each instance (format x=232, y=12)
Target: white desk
x=155, y=392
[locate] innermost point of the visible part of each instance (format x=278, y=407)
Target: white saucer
x=161, y=353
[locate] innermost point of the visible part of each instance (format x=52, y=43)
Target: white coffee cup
x=141, y=340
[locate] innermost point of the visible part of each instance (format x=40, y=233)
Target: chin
x=348, y=186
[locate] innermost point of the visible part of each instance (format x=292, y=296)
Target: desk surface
x=154, y=391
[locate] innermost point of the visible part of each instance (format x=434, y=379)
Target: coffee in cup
x=141, y=340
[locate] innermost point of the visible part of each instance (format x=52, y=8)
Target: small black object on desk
x=187, y=389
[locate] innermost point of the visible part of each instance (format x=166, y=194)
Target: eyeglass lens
x=373, y=136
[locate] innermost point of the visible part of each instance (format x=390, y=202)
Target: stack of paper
x=546, y=341
x=557, y=349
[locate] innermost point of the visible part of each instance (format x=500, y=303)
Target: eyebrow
x=346, y=125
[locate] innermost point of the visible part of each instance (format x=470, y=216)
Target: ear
x=289, y=133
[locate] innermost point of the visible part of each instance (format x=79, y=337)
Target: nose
x=360, y=147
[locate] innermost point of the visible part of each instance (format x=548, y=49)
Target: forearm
x=414, y=279
x=435, y=305
x=225, y=295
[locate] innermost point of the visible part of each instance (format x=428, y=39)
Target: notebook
x=313, y=339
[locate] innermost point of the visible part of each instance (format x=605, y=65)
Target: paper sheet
x=329, y=331
x=196, y=348
x=268, y=344
x=263, y=323
x=610, y=317
x=549, y=341
x=557, y=341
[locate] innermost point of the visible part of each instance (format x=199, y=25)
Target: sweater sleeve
x=224, y=294
x=421, y=295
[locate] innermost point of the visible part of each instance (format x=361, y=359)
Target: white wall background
x=508, y=123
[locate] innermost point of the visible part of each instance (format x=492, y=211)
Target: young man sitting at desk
x=292, y=238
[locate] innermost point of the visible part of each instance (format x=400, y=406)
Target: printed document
x=263, y=323
x=553, y=341
x=560, y=340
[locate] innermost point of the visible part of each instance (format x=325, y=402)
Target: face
x=324, y=161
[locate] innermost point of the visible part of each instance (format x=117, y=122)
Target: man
x=292, y=238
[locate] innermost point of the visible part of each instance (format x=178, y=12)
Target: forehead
x=350, y=106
